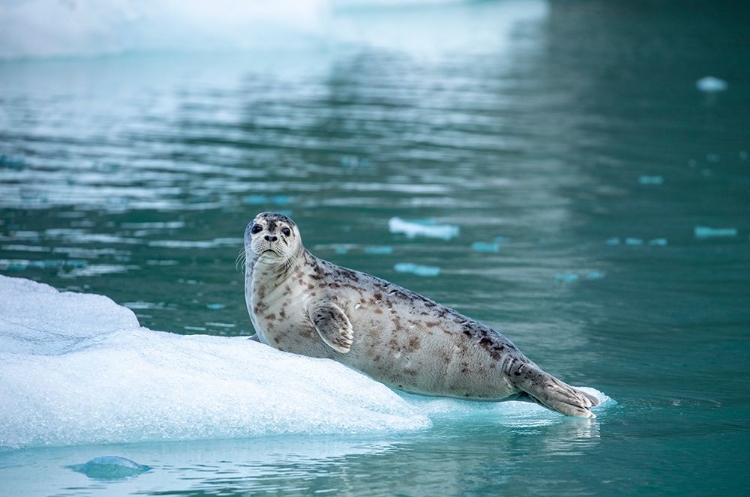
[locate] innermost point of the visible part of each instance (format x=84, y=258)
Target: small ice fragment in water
x=215, y=307
x=650, y=180
x=418, y=269
x=594, y=275
x=485, y=247
x=109, y=468
x=711, y=84
x=567, y=277
x=661, y=242
x=612, y=241
x=706, y=232
x=342, y=250
x=379, y=250
x=422, y=228
x=633, y=241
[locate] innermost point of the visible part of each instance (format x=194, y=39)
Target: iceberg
x=78, y=369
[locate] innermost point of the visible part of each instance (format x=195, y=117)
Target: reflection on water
x=452, y=460
x=578, y=125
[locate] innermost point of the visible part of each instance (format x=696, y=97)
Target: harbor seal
x=305, y=305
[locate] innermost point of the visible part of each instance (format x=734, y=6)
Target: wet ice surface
x=78, y=369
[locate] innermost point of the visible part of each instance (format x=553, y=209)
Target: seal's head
x=272, y=238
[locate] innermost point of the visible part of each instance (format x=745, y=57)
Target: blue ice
x=567, y=277
x=418, y=269
x=612, y=241
x=486, y=246
x=707, y=232
x=109, y=468
x=633, y=241
x=428, y=229
x=661, y=242
x=378, y=250
x=594, y=275
x=711, y=84
x=650, y=180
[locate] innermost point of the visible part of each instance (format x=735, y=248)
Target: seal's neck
x=273, y=273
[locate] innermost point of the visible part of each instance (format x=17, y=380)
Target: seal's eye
x=286, y=231
x=257, y=228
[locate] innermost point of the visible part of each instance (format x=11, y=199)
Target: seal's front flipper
x=333, y=326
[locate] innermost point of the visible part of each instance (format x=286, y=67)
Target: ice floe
x=79, y=369
x=422, y=228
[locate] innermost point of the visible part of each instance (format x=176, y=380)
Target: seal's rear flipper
x=552, y=393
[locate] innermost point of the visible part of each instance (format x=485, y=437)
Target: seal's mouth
x=267, y=253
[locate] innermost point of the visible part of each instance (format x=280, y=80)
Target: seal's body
x=305, y=305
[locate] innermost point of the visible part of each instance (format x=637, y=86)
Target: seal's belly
x=420, y=352
x=399, y=342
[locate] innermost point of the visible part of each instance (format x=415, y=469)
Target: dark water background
x=582, y=139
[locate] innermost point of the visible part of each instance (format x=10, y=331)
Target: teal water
x=571, y=147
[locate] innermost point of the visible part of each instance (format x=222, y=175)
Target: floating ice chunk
x=612, y=241
x=567, y=277
x=378, y=250
x=633, y=241
x=354, y=161
x=594, y=275
x=707, y=232
x=660, y=242
x=422, y=228
x=571, y=277
x=109, y=468
x=215, y=307
x=650, y=180
x=486, y=247
x=78, y=369
x=711, y=84
x=418, y=269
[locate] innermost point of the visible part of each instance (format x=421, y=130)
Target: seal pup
x=305, y=305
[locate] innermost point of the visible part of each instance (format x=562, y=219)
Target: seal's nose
x=271, y=238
